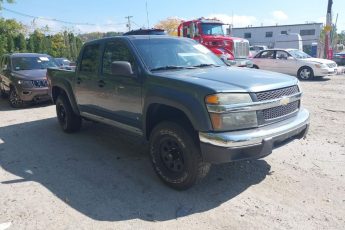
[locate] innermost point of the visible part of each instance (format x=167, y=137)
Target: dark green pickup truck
x=173, y=92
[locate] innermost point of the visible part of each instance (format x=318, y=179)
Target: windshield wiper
x=205, y=65
x=168, y=67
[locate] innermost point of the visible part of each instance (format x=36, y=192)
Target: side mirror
x=123, y=68
x=290, y=58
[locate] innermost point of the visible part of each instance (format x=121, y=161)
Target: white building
x=270, y=35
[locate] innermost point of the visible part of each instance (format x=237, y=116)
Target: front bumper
x=254, y=143
x=325, y=72
x=33, y=94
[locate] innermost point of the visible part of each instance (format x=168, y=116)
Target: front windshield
x=184, y=53
x=299, y=54
x=212, y=29
x=30, y=63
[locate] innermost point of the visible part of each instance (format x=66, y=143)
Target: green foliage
x=14, y=38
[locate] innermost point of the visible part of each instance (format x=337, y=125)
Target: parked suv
x=23, y=77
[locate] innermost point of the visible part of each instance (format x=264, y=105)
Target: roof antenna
x=147, y=17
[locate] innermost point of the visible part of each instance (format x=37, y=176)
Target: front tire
x=305, y=73
x=176, y=157
x=14, y=99
x=68, y=120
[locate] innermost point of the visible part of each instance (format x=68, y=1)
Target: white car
x=294, y=62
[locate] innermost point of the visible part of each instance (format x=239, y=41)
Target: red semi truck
x=210, y=33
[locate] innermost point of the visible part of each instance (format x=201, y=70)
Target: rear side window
x=116, y=51
x=90, y=59
x=267, y=54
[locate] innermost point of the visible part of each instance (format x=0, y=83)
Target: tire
x=255, y=67
x=176, y=156
x=305, y=73
x=15, y=100
x=68, y=120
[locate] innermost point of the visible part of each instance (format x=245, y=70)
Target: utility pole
x=129, y=22
x=328, y=28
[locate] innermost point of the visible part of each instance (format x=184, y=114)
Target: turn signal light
x=212, y=99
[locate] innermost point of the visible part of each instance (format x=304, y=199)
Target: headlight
x=323, y=66
x=25, y=84
x=226, y=121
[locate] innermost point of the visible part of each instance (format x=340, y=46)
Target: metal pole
x=328, y=48
x=129, y=22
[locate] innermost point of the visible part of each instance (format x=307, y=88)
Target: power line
x=59, y=20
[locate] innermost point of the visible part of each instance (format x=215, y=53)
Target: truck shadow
x=106, y=175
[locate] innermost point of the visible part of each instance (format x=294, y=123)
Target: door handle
x=101, y=83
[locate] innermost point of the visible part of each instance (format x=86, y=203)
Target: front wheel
x=305, y=73
x=176, y=157
x=14, y=99
x=68, y=120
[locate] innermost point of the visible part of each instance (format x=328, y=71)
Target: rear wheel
x=305, y=73
x=176, y=156
x=255, y=67
x=14, y=99
x=68, y=120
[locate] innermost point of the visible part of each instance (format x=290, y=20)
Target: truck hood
x=35, y=74
x=233, y=79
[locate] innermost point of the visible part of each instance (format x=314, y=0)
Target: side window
x=90, y=59
x=282, y=55
x=186, y=31
x=116, y=51
x=267, y=54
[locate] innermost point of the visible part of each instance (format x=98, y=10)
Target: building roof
x=254, y=27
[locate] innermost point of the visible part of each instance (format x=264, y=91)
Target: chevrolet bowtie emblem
x=284, y=101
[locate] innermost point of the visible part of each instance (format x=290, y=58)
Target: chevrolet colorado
x=176, y=94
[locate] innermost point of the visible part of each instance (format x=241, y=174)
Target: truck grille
x=332, y=65
x=40, y=83
x=280, y=111
x=278, y=93
x=241, y=49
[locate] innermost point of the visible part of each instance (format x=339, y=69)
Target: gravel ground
x=101, y=178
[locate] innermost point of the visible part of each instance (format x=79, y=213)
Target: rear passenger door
x=87, y=79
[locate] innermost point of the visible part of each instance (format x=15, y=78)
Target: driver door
x=284, y=63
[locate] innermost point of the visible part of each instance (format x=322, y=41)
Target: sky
x=109, y=15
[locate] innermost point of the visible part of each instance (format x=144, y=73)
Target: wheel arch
x=61, y=90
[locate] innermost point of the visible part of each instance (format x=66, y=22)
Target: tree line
x=14, y=37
